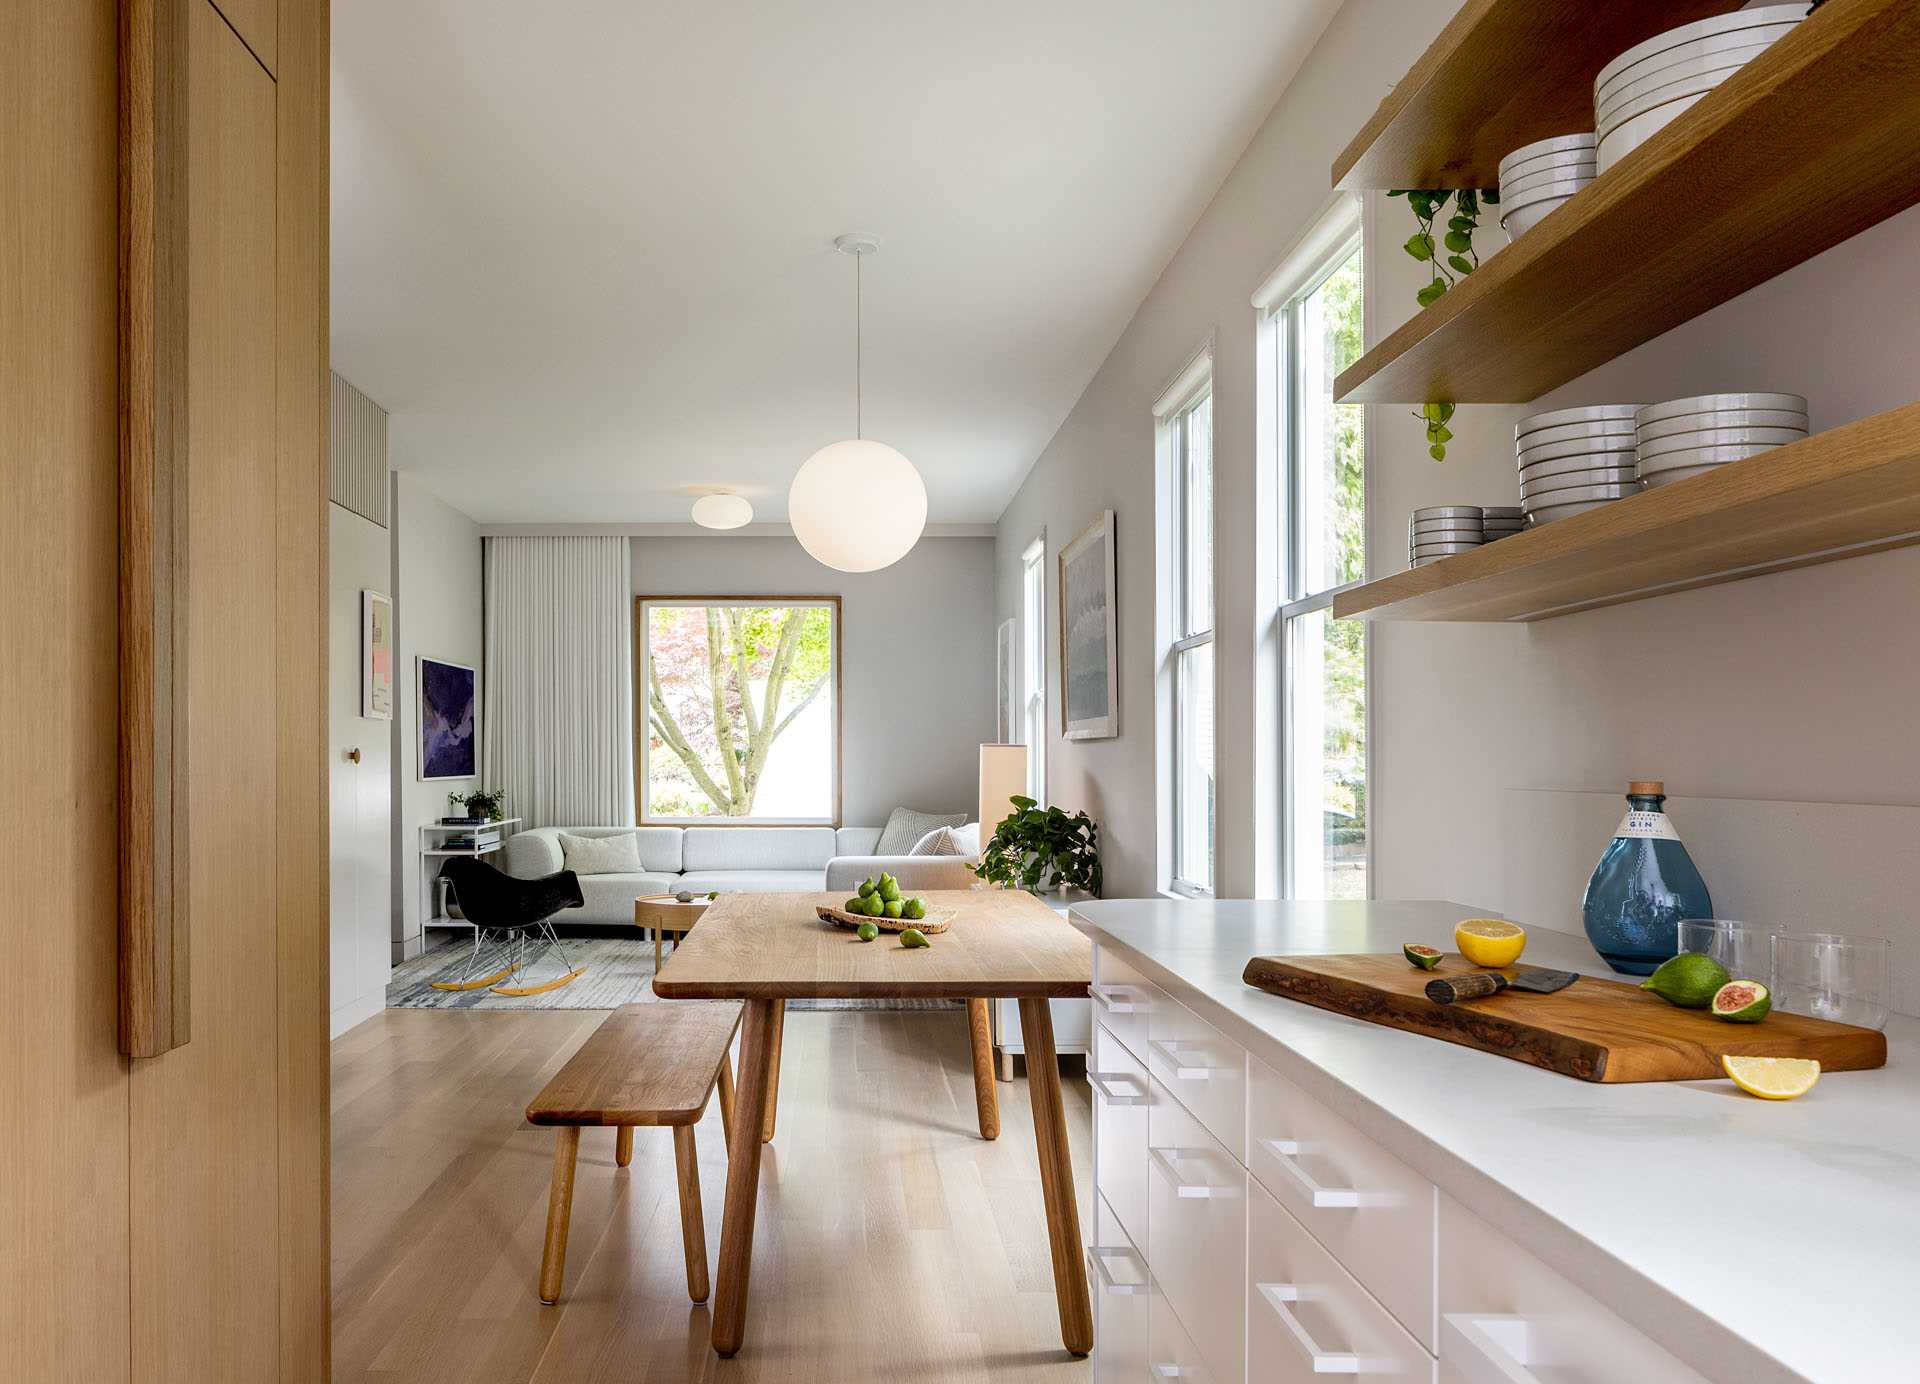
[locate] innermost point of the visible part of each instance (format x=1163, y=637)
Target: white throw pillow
x=939, y=841
x=906, y=826
x=601, y=855
x=966, y=840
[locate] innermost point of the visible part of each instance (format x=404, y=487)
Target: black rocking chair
x=510, y=913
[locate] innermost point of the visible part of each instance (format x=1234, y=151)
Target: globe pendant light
x=858, y=505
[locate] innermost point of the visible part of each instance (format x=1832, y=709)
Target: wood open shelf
x=1840, y=493
x=1503, y=73
x=1812, y=142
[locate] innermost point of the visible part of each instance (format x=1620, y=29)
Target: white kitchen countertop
x=1756, y=1240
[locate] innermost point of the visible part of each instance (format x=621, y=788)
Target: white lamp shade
x=857, y=506
x=1003, y=777
x=722, y=511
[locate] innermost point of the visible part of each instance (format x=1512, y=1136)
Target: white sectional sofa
x=731, y=860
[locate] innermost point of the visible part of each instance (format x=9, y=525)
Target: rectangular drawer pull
x=1491, y=1349
x=1278, y=1295
x=1165, y=1159
x=1188, y=1071
x=1117, y=999
x=1097, y=1256
x=1288, y=1151
x=1100, y=1081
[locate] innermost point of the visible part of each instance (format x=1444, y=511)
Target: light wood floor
x=893, y=1243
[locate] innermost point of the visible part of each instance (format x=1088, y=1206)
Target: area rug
x=619, y=971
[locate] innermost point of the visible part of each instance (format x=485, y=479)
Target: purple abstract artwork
x=449, y=720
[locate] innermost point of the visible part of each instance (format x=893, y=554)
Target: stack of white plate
x=1575, y=459
x=1536, y=178
x=1502, y=521
x=1650, y=85
x=1688, y=437
x=1443, y=530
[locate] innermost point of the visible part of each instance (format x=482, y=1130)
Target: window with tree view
x=1325, y=739
x=739, y=710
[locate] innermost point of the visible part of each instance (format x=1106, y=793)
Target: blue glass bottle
x=1643, y=886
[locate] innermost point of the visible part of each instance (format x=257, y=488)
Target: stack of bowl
x=1441, y=531
x=1575, y=459
x=1502, y=521
x=1536, y=178
x=1688, y=437
x=1650, y=85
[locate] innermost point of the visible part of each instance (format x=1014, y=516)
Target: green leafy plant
x=1435, y=416
x=1450, y=257
x=483, y=803
x=1037, y=847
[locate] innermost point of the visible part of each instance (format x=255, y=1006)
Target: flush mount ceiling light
x=857, y=505
x=723, y=510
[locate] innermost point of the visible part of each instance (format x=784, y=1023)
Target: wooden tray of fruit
x=934, y=918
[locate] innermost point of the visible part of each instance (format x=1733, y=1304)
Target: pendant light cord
x=858, y=402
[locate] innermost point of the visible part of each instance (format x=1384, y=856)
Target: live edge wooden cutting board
x=1595, y=1029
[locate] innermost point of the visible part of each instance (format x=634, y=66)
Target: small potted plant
x=480, y=805
x=1041, y=849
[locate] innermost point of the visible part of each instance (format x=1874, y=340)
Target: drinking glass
x=1745, y=949
x=1846, y=979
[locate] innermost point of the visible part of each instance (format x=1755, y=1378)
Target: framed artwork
x=1089, y=635
x=449, y=720
x=1008, y=669
x=376, y=656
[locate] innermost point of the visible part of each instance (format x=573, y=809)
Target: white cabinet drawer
x=1117, y=1272
x=1197, y=1232
x=1206, y=1071
x=1120, y=1093
x=1122, y=1000
x=1171, y=1353
x=1506, y=1318
x=1371, y=1210
x=1307, y=1316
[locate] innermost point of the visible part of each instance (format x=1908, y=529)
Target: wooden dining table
x=766, y=949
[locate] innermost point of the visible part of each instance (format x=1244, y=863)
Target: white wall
x=360, y=794
x=1779, y=710
x=917, y=650
x=1102, y=456
x=437, y=612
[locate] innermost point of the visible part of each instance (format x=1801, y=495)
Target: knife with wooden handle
x=1479, y=984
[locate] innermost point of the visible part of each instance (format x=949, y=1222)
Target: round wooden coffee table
x=665, y=913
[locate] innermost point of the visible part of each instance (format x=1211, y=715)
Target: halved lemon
x=1771, y=1078
x=1490, y=941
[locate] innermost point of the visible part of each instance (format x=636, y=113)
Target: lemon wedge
x=1771, y=1078
x=1489, y=941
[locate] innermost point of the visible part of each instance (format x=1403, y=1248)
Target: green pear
x=895, y=908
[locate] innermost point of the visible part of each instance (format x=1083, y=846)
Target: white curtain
x=558, y=730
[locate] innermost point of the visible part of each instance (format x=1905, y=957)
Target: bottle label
x=1646, y=826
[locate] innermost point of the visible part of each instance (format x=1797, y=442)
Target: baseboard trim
x=356, y=1012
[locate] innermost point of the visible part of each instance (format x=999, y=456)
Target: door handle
x=354, y=754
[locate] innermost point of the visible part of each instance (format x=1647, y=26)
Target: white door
x=361, y=802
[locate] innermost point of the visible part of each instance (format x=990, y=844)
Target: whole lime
x=1689, y=980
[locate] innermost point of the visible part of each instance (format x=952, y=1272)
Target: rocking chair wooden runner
x=510, y=917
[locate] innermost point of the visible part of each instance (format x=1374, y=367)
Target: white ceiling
x=582, y=251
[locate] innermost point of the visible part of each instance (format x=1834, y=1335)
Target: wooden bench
x=648, y=1064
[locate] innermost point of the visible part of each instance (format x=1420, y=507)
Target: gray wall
x=437, y=612
x=1779, y=710
x=917, y=650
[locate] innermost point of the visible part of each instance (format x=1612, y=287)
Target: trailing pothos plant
x=1037, y=847
x=1449, y=259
